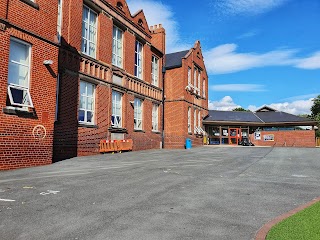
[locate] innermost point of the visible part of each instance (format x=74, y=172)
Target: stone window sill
x=19, y=112
x=87, y=125
x=30, y=3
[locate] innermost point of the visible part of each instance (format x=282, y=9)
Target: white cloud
x=312, y=62
x=249, y=34
x=238, y=88
x=295, y=107
x=224, y=59
x=225, y=104
x=156, y=12
x=301, y=97
x=245, y=7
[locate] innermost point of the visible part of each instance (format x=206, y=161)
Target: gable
x=140, y=20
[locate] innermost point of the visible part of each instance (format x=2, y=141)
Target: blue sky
x=257, y=52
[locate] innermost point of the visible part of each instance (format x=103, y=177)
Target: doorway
x=234, y=136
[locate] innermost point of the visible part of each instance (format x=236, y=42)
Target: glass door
x=234, y=135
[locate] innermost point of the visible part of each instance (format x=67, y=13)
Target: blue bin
x=188, y=143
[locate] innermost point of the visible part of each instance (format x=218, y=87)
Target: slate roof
x=262, y=117
x=232, y=116
x=174, y=60
x=280, y=117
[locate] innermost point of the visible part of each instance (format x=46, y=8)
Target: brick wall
x=178, y=100
x=298, y=138
x=72, y=139
x=26, y=138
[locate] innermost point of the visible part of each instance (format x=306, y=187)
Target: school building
x=264, y=127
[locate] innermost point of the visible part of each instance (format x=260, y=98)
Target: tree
x=315, y=112
x=315, y=109
x=240, y=109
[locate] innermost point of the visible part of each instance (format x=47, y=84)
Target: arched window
x=119, y=5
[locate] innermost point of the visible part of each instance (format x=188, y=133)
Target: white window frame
x=199, y=82
x=138, y=64
x=155, y=118
x=204, y=87
x=199, y=119
x=189, y=76
x=117, y=47
x=86, y=34
x=59, y=20
x=155, y=71
x=138, y=113
x=26, y=86
x=195, y=121
x=189, y=119
x=195, y=79
x=85, y=121
x=116, y=117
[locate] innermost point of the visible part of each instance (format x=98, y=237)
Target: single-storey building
x=264, y=127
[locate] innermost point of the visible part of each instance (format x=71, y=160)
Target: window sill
x=30, y=3
x=156, y=132
x=84, y=125
x=19, y=112
x=117, y=130
x=189, y=133
x=139, y=130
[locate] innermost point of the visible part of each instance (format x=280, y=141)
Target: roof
x=264, y=117
x=232, y=116
x=174, y=60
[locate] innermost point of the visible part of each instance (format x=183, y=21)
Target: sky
x=256, y=52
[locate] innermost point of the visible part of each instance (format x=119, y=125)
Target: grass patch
x=304, y=225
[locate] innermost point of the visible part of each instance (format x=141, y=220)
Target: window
x=59, y=21
x=155, y=117
x=89, y=31
x=138, y=60
x=195, y=121
x=195, y=79
x=189, y=119
x=117, y=47
x=86, y=106
x=137, y=114
x=199, y=82
x=155, y=71
x=19, y=74
x=204, y=88
x=116, y=118
x=119, y=5
x=199, y=119
x=189, y=76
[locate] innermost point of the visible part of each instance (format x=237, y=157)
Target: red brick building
x=28, y=78
x=110, y=78
x=186, y=92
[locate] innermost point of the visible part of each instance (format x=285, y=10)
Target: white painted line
x=49, y=192
x=300, y=176
x=7, y=200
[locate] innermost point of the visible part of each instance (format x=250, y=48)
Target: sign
x=257, y=135
x=268, y=137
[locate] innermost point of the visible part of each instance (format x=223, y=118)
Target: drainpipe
x=163, y=99
x=7, y=13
